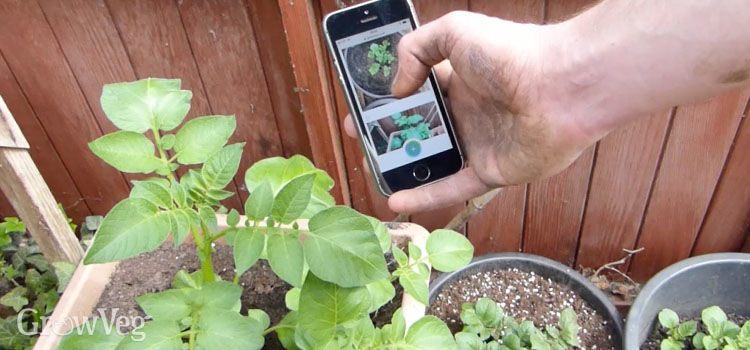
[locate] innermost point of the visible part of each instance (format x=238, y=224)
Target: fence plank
x=300, y=21
x=223, y=42
x=499, y=227
x=728, y=219
x=42, y=151
x=554, y=206
x=274, y=55
x=429, y=10
x=625, y=165
x=695, y=153
x=34, y=56
x=157, y=45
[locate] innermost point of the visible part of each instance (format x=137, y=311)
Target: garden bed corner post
x=29, y=195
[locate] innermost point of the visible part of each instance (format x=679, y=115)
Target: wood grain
x=42, y=150
x=300, y=21
x=157, y=45
x=499, y=227
x=554, y=207
x=222, y=39
x=696, y=149
x=728, y=218
x=626, y=162
x=274, y=55
x=42, y=72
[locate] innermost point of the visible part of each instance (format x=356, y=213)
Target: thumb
x=423, y=48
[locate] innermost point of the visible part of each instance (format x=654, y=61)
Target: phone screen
x=398, y=131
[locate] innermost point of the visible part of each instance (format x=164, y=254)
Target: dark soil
x=523, y=295
x=653, y=342
x=383, y=316
x=153, y=272
x=359, y=66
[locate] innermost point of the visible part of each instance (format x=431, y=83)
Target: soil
x=383, y=316
x=153, y=272
x=653, y=341
x=359, y=66
x=523, y=295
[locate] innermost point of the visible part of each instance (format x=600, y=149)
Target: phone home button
x=421, y=172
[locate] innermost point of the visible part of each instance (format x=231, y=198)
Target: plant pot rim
x=655, y=284
x=595, y=298
x=91, y=281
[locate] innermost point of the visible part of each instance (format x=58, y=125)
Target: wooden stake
x=475, y=206
x=29, y=195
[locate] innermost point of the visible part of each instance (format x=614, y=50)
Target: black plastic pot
x=689, y=286
x=544, y=267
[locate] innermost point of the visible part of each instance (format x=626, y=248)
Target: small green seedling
x=722, y=333
x=383, y=58
x=412, y=127
x=486, y=327
x=334, y=259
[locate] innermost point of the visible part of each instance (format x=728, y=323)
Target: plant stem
x=162, y=154
x=204, y=253
x=193, y=323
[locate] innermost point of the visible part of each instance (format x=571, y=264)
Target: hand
x=503, y=106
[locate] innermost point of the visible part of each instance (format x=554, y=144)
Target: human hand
x=505, y=111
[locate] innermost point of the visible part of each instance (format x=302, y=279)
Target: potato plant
x=334, y=261
x=722, y=333
x=486, y=327
x=382, y=57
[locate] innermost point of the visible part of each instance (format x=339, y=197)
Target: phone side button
x=421, y=172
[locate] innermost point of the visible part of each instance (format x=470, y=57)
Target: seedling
x=412, y=127
x=722, y=333
x=335, y=262
x=486, y=327
x=383, y=58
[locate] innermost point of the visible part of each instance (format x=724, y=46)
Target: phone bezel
x=346, y=22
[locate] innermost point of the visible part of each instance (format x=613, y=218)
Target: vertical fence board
x=223, y=43
x=34, y=56
x=274, y=55
x=728, y=219
x=692, y=162
x=157, y=45
x=554, y=206
x=499, y=226
x=42, y=151
x=305, y=49
x=625, y=164
x=428, y=10
x=364, y=197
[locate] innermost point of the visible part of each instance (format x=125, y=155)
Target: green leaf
x=184, y=279
x=64, y=272
x=487, y=311
x=569, y=327
x=233, y=218
x=208, y=218
x=127, y=151
x=687, y=328
x=698, y=340
x=382, y=232
x=292, y=199
x=226, y=330
x=12, y=224
x=538, y=342
x=154, y=190
x=709, y=343
x=248, y=245
x=179, y=194
x=156, y=335
x=10, y=335
x=221, y=167
x=98, y=338
x=670, y=344
x=324, y=306
x=286, y=257
x=414, y=251
x=342, y=248
x=260, y=202
x=132, y=227
x=448, y=250
x=401, y=258
x=201, y=137
x=221, y=295
x=292, y=299
x=381, y=292
x=167, y=142
x=16, y=298
x=138, y=106
x=169, y=305
x=285, y=330
x=278, y=171
x=180, y=221
x=374, y=67
x=430, y=333
x=415, y=284
x=713, y=313
x=259, y=316
x=668, y=318
x=470, y=341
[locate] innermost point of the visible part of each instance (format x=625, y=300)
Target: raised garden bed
x=528, y=287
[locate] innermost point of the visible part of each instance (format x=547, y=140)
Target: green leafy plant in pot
x=333, y=256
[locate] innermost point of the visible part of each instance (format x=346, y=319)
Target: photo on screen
x=408, y=128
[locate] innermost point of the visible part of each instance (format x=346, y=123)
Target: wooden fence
x=676, y=183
